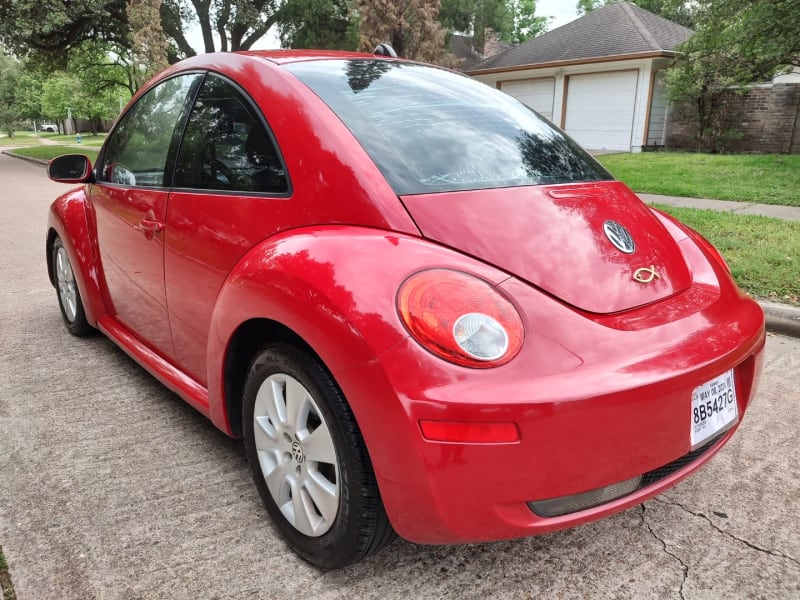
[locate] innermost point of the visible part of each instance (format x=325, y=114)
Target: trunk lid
x=564, y=239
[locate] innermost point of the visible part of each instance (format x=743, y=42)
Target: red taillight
x=470, y=433
x=460, y=318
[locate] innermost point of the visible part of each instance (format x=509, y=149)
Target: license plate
x=714, y=408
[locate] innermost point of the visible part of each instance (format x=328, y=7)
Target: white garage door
x=600, y=109
x=536, y=93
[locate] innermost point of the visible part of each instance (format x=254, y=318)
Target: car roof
x=290, y=56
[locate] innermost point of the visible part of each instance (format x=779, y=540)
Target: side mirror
x=70, y=168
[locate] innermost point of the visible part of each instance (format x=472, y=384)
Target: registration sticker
x=714, y=408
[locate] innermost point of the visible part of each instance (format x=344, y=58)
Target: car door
x=130, y=203
x=230, y=191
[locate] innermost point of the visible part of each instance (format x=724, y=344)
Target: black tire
x=69, y=296
x=359, y=526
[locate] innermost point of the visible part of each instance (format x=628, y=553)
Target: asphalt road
x=112, y=487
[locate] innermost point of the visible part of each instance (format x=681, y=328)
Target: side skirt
x=167, y=373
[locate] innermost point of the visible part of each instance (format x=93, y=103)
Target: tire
x=309, y=461
x=69, y=297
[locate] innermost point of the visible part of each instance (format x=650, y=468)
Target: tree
x=330, y=24
x=736, y=43
x=58, y=96
x=65, y=95
x=21, y=90
x=100, y=65
x=475, y=17
x=29, y=94
x=176, y=16
x=410, y=26
x=108, y=78
x=149, y=44
x=525, y=23
x=237, y=24
x=47, y=29
x=9, y=77
x=513, y=20
x=587, y=6
x=96, y=107
x=678, y=11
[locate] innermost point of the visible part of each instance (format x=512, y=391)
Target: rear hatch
x=561, y=239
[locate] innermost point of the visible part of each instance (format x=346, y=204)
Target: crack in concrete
x=684, y=566
x=750, y=545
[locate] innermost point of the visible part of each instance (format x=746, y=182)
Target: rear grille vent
x=563, y=505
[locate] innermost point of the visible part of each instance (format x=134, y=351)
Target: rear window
x=431, y=130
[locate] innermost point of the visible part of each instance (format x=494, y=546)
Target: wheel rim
x=65, y=279
x=296, y=454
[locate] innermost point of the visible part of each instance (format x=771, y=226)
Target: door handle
x=149, y=228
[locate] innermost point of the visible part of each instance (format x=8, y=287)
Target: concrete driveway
x=112, y=487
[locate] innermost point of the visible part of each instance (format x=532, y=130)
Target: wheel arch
x=330, y=290
x=245, y=343
x=68, y=220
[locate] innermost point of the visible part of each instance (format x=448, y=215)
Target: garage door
x=536, y=93
x=599, y=112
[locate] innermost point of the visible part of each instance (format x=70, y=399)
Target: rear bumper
x=607, y=406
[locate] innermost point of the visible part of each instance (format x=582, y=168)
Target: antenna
x=385, y=49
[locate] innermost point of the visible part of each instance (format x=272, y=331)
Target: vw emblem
x=297, y=452
x=619, y=236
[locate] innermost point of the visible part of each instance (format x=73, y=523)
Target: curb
x=36, y=161
x=781, y=318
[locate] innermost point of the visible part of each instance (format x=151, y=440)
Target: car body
x=424, y=308
x=48, y=127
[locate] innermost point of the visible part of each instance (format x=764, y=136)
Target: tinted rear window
x=431, y=130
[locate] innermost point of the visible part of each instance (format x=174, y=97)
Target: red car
x=424, y=308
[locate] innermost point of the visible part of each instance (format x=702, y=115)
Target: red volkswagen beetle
x=425, y=309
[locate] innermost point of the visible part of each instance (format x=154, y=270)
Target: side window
x=226, y=146
x=136, y=152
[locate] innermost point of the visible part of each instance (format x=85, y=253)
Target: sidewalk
x=787, y=213
x=44, y=141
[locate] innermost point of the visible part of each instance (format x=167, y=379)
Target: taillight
x=460, y=318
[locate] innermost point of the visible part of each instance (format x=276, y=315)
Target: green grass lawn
x=763, y=253
x=50, y=152
x=764, y=178
x=21, y=138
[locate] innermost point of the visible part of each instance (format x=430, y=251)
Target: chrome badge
x=619, y=236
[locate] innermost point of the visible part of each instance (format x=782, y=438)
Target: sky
x=562, y=11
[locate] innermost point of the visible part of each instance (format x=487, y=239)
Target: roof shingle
x=616, y=29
